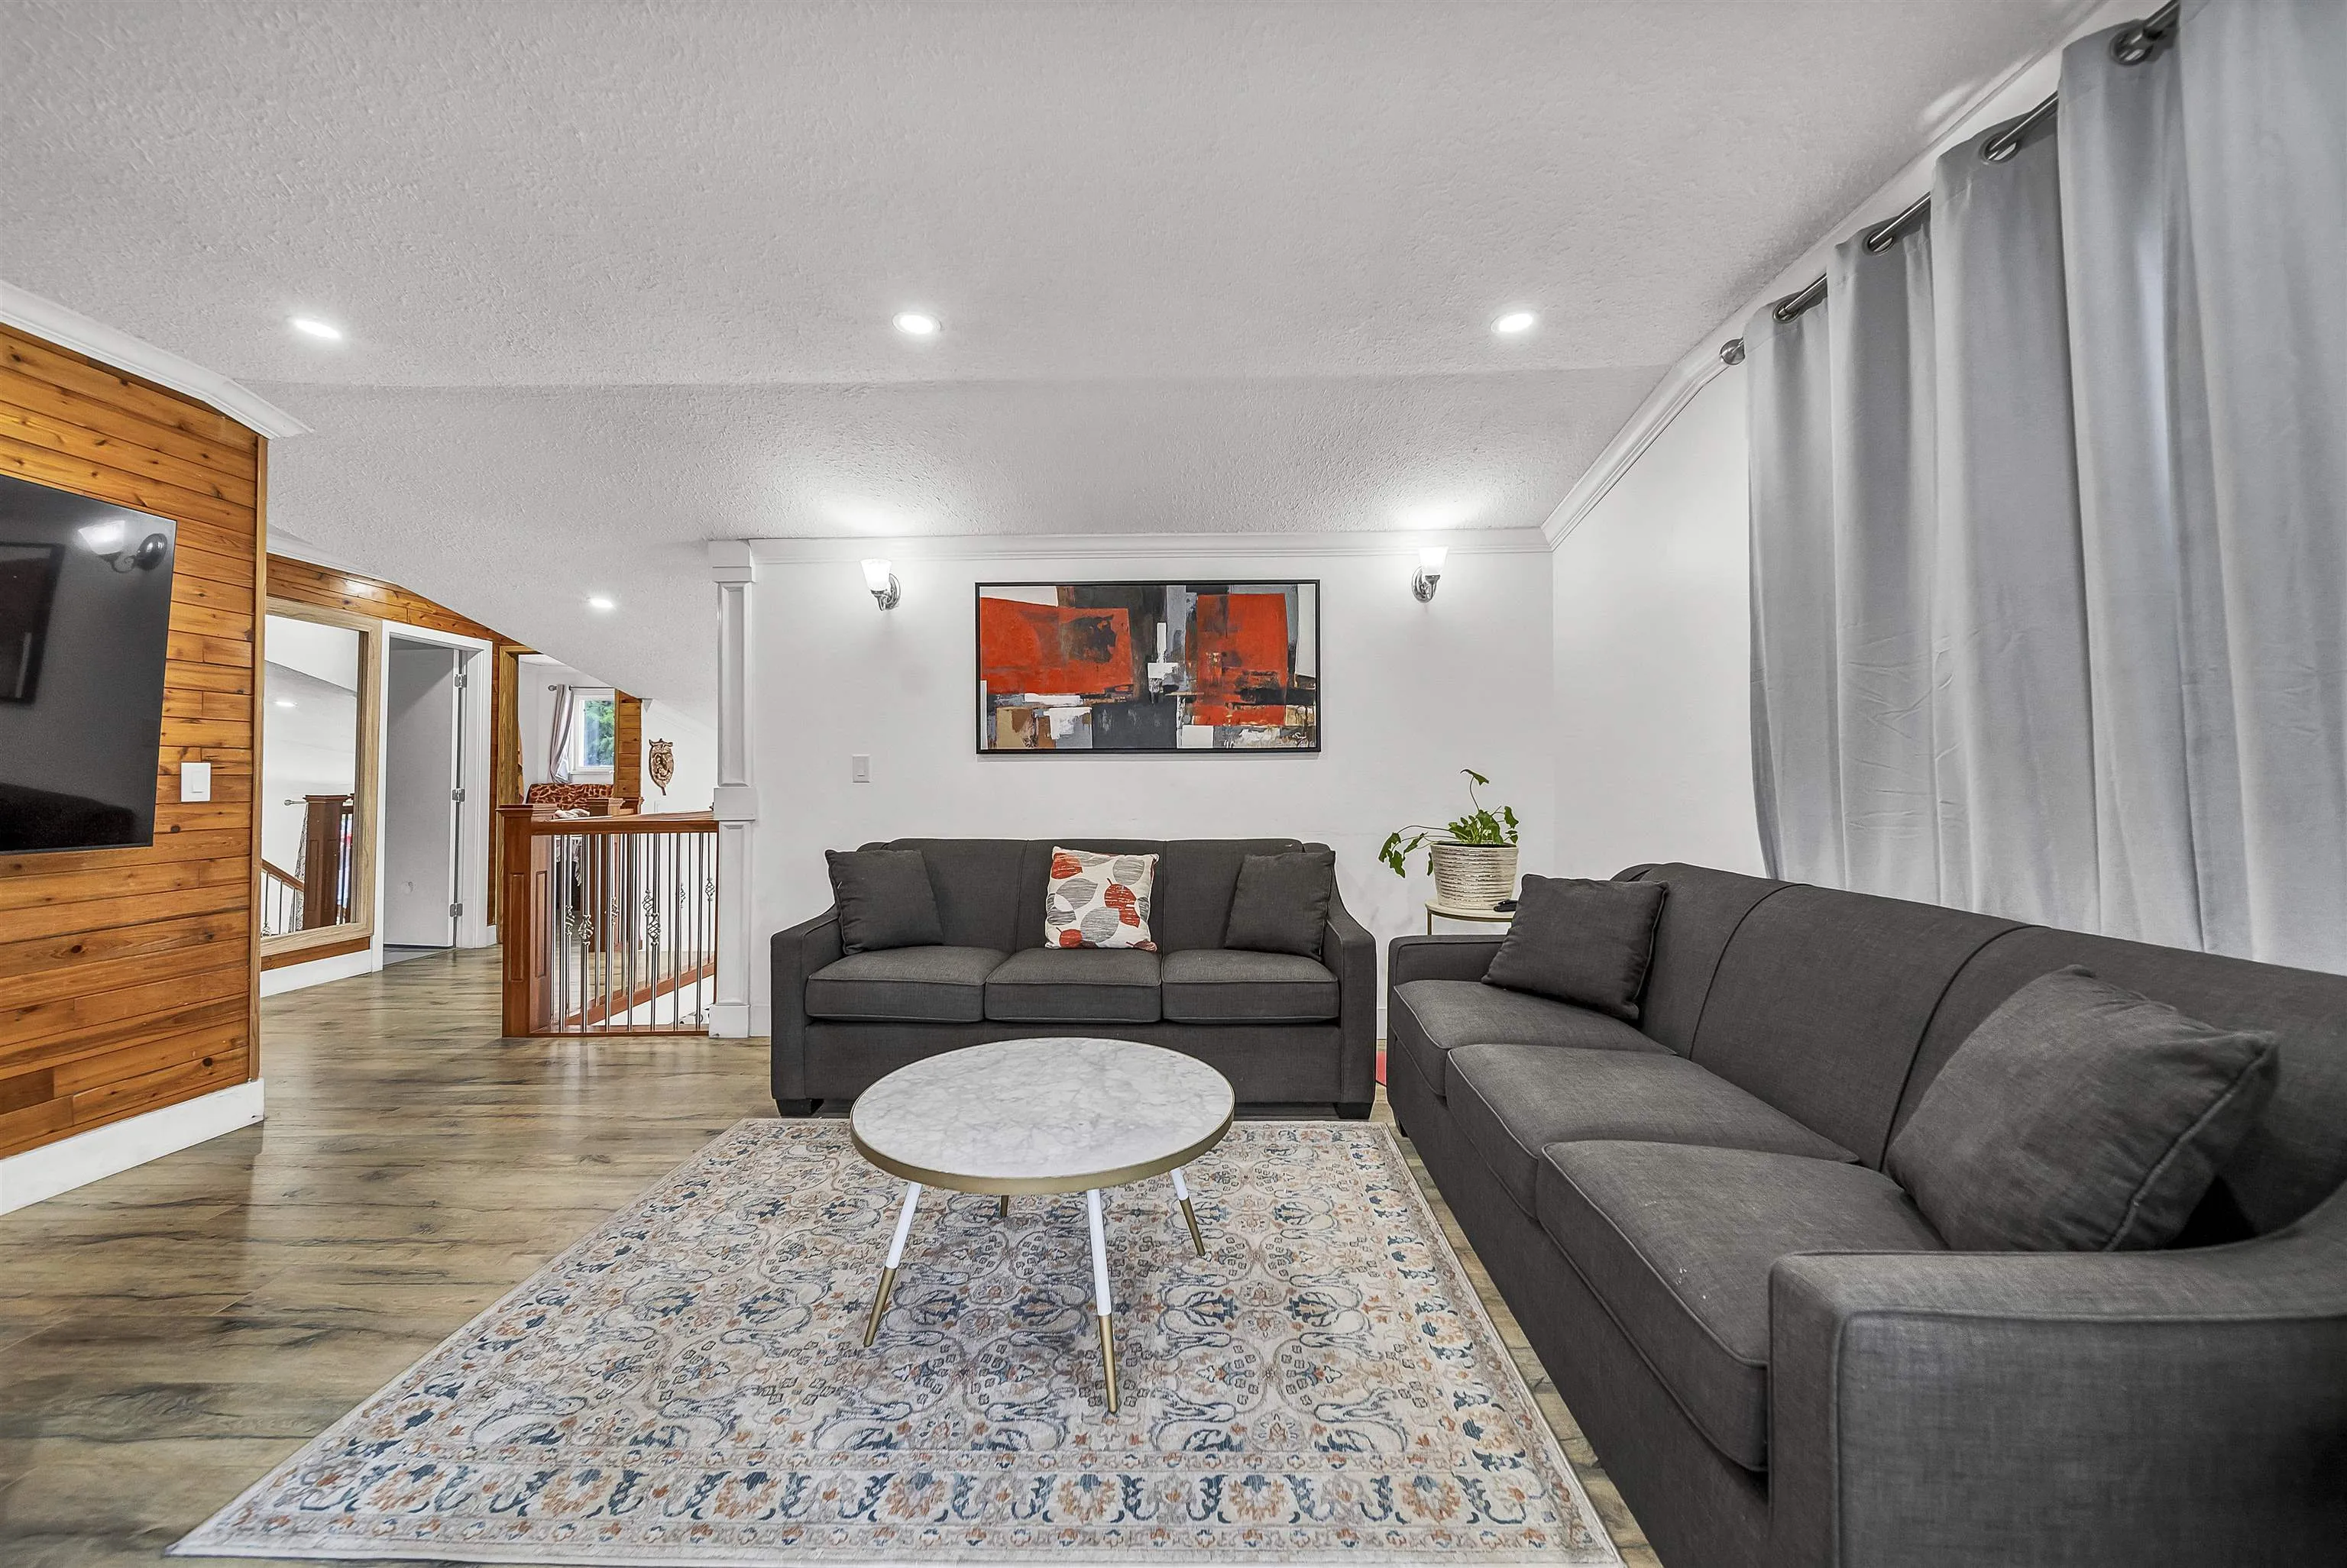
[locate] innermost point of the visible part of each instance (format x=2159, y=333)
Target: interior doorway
x=423, y=804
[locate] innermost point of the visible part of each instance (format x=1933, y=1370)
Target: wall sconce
x=1429, y=572
x=885, y=589
x=105, y=541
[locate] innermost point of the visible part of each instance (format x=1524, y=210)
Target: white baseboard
x=102, y=1152
x=319, y=971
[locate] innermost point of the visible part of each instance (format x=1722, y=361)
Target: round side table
x=1467, y=912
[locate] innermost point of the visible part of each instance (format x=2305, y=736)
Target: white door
x=420, y=796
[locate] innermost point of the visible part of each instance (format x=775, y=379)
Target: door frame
x=476, y=818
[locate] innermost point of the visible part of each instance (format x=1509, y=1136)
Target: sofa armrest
x=1350, y=953
x=1936, y=1409
x=1410, y=958
x=796, y=953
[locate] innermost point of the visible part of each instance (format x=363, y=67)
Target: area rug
x=689, y=1384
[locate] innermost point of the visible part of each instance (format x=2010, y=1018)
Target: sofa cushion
x=884, y=899
x=1217, y=985
x=1580, y=941
x=1074, y=985
x=1677, y=1242
x=1820, y=1001
x=977, y=883
x=1431, y=1018
x=1699, y=919
x=1513, y=1101
x=1099, y=901
x=2080, y=1117
x=1281, y=902
x=905, y=985
x=1195, y=879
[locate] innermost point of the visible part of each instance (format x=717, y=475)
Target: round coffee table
x=1051, y=1115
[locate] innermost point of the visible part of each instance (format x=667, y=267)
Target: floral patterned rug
x=689, y=1384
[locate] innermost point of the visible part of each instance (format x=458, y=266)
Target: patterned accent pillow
x=1099, y=901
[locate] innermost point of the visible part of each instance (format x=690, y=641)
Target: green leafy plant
x=1478, y=826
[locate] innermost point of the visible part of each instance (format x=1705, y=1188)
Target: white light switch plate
x=859, y=769
x=195, y=780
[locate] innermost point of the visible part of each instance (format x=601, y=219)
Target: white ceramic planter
x=1474, y=876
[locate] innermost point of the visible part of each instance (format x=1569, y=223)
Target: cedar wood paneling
x=127, y=977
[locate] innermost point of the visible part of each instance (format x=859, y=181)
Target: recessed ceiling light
x=318, y=329
x=285, y=702
x=918, y=324
x=598, y=602
x=1515, y=322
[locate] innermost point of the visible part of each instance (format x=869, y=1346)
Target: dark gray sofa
x=1283, y=1029
x=1776, y=1358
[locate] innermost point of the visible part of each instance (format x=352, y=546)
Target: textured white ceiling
x=617, y=277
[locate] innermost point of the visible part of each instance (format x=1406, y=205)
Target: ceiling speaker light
x=918, y=324
x=599, y=602
x=1515, y=323
x=318, y=329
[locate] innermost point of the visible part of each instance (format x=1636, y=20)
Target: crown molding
x=2002, y=97
x=1185, y=547
x=52, y=322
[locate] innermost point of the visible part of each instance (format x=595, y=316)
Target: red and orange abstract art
x=1149, y=667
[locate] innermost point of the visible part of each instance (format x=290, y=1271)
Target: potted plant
x=1473, y=858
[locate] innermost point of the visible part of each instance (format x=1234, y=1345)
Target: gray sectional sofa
x=1283, y=1028
x=1776, y=1358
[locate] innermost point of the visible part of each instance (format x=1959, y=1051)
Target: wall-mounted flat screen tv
x=85, y=629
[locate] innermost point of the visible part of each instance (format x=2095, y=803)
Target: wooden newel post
x=521, y=929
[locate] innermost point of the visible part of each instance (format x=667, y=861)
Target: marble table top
x=1042, y=1116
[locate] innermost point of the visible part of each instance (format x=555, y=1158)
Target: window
x=593, y=734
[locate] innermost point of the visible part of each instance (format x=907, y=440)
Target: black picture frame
x=1109, y=587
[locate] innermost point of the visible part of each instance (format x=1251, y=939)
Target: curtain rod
x=2131, y=48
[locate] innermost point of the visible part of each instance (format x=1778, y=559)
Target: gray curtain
x=557, y=741
x=2049, y=559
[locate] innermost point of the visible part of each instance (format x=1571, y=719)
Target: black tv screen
x=85, y=629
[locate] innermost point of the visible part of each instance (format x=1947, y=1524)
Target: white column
x=736, y=803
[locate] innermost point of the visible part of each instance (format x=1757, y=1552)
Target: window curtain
x=2049, y=544
x=557, y=742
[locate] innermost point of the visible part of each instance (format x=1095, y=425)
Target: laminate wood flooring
x=169, y=1334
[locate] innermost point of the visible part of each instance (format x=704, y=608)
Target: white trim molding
x=1219, y=548
x=734, y=570
x=111, y=1150
x=47, y=320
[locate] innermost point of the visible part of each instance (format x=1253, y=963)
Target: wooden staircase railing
x=609, y=922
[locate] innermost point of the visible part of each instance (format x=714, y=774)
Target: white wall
x=1412, y=693
x=695, y=746
x=1653, y=627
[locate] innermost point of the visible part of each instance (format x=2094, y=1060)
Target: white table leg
x=1101, y=1295
x=1182, y=1191
x=896, y=1255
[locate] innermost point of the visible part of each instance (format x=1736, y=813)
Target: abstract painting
x=1149, y=667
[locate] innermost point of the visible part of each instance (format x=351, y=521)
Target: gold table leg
x=1002, y=1210
x=1181, y=1192
x=896, y=1257
x=1108, y=1359
x=1101, y=1297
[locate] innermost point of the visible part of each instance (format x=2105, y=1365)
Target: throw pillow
x=1099, y=901
x=1584, y=942
x=1281, y=902
x=2079, y=1117
x=884, y=899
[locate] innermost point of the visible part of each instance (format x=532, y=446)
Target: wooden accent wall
x=331, y=590
x=626, y=749
x=129, y=977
